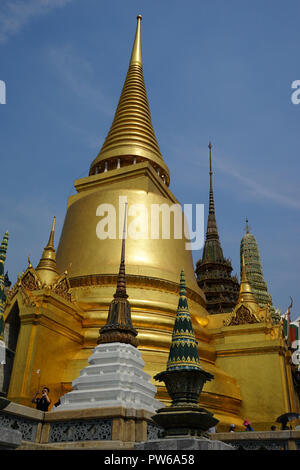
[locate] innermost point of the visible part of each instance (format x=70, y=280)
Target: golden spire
x=246, y=294
x=136, y=55
x=50, y=243
x=131, y=136
x=46, y=269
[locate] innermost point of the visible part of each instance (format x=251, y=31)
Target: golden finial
x=50, y=243
x=29, y=262
x=47, y=270
x=244, y=276
x=246, y=294
x=136, y=55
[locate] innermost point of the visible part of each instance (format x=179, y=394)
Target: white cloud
x=15, y=14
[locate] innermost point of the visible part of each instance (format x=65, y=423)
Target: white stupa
x=114, y=376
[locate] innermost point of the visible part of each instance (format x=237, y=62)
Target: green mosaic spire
x=3, y=249
x=249, y=250
x=183, y=351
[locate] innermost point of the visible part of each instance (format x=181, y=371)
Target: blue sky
x=214, y=70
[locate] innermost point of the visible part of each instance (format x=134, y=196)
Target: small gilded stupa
x=247, y=309
x=214, y=270
x=249, y=250
x=47, y=269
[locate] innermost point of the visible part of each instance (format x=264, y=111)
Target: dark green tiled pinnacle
x=183, y=351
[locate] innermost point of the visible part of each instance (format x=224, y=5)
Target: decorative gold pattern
x=132, y=280
x=29, y=281
x=242, y=317
x=62, y=289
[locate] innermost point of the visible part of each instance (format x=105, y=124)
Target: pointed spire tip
x=182, y=285
x=50, y=243
x=247, y=226
x=136, y=54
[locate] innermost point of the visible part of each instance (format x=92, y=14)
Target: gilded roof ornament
x=47, y=269
x=243, y=316
x=246, y=294
x=247, y=309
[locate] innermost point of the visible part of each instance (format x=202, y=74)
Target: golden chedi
x=57, y=334
x=130, y=165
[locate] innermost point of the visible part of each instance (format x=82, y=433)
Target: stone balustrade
x=112, y=429
x=260, y=440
